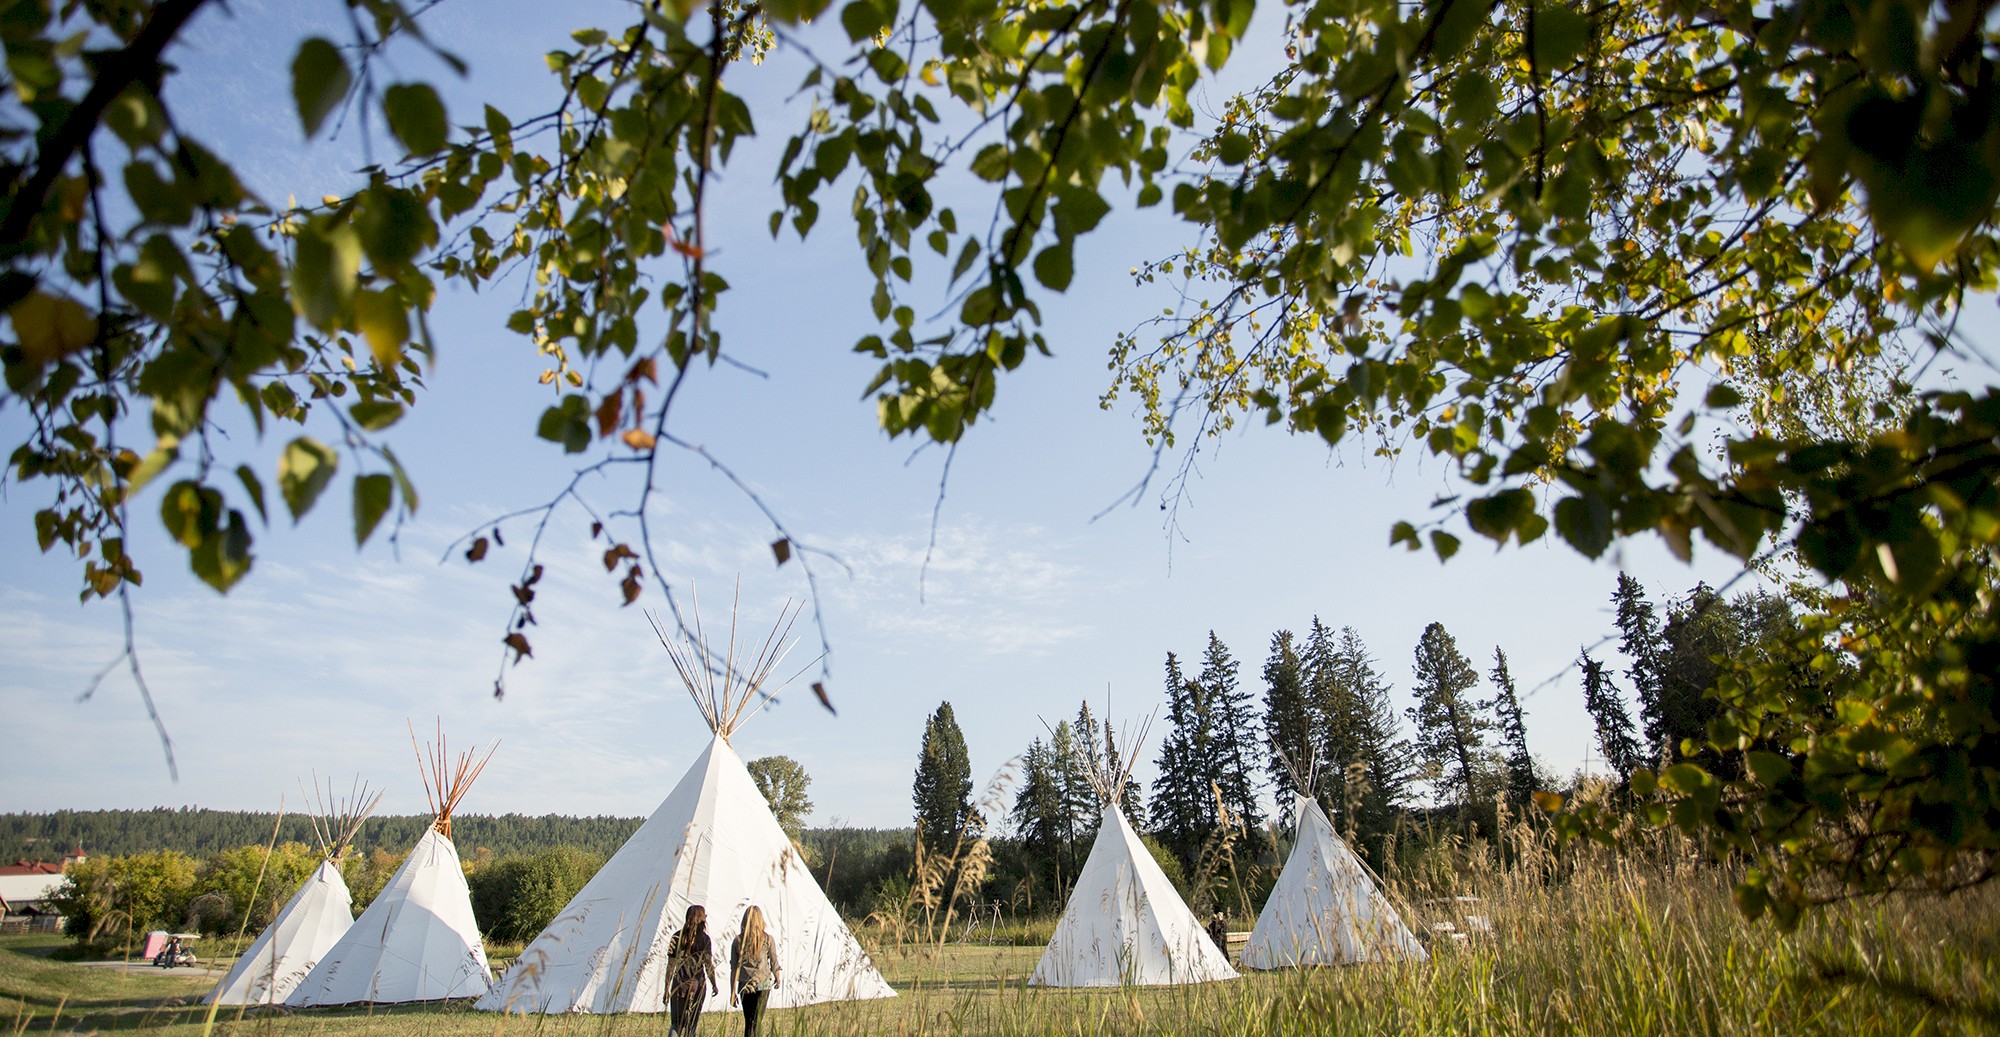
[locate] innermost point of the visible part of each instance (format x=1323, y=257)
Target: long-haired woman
x=753, y=968
x=689, y=957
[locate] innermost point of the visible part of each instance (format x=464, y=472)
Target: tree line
x=1449, y=763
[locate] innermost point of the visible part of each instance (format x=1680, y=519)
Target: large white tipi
x=1125, y=924
x=1326, y=908
x=713, y=842
x=311, y=922
x=417, y=941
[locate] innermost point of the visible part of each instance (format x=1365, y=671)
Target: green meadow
x=1619, y=949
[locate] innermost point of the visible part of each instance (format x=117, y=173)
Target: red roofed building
x=25, y=889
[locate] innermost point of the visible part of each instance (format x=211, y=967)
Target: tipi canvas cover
x=316, y=917
x=1125, y=924
x=417, y=940
x=713, y=842
x=1326, y=908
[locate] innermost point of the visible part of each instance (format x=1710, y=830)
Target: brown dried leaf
x=638, y=439
x=819, y=690
x=643, y=369
x=477, y=551
x=520, y=646
x=608, y=412
x=632, y=585
x=782, y=548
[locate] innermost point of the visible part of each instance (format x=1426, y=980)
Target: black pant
x=684, y=1010
x=753, y=1010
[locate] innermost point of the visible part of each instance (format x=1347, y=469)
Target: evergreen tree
x=1288, y=721
x=1073, y=792
x=1703, y=634
x=1450, y=724
x=1641, y=641
x=1233, y=726
x=1521, y=781
x=1038, y=813
x=1367, y=770
x=942, y=793
x=1622, y=752
x=1183, y=812
x=1332, y=711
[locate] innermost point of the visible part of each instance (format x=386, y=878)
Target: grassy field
x=1627, y=951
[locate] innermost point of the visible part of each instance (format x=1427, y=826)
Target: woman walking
x=689, y=957
x=753, y=969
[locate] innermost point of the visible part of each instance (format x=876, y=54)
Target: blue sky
x=314, y=663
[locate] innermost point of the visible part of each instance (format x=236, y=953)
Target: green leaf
x=254, y=487
x=384, y=322
x=567, y=423
x=862, y=20
x=376, y=415
x=223, y=557
x=1560, y=34
x=403, y=484
x=320, y=78
x=304, y=469
x=416, y=117
x=326, y=263
x=1444, y=544
x=1585, y=522
x=1769, y=768
x=1053, y=267
x=372, y=494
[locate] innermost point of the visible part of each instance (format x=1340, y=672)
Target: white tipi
x=311, y=922
x=1326, y=908
x=713, y=842
x=417, y=941
x=1125, y=924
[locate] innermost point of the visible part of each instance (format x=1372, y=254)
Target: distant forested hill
x=202, y=832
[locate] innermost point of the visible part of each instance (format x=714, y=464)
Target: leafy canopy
x=1647, y=265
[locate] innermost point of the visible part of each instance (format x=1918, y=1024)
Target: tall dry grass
x=1643, y=939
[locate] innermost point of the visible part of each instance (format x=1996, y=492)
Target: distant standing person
x=753, y=969
x=1218, y=930
x=690, y=956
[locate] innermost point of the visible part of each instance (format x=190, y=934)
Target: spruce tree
x=1234, y=726
x=1288, y=722
x=1641, y=641
x=1521, y=781
x=1375, y=778
x=1182, y=810
x=1622, y=752
x=1039, y=814
x=1334, y=712
x=942, y=792
x=1073, y=790
x=1450, y=724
